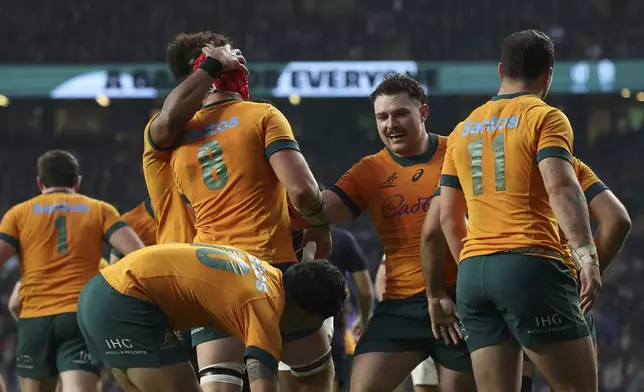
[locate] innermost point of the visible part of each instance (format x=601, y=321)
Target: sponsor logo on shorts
x=83, y=358
x=169, y=340
x=25, y=362
x=196, y=330
x=549, y=324
x=122, y=347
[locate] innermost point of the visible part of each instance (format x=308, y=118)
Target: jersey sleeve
x=9, y=231
x=590, y=183
x=111, y=220
x=277, y=133
x=555, y=136
x=449, y=176
x=151, y=149
x=356, y=260
x=348, y=189
x=262, y=335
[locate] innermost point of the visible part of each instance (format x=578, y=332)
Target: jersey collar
x=510, y=96
x=418, y=159
x=218, y=103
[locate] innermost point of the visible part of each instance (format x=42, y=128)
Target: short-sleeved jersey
x=592, y=186
x=396, y=193
x=221, y=166
x=141, y=220
x=175, y=223
x=208, y=285
x=59, y=237
x=493, y=156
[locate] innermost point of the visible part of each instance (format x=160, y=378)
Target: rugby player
x=614, y=227
x=395, y=187
x=347, y=255
x=424, y=377
x=59, y=236
x=508, y=167
x=236, y=162
x=141, y=220
x=128, y=313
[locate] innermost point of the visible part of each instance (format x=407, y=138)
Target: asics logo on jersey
x=417, y=175
x=208, y=130
x=59, y=207
x=396, y=206
x=489, y=124
x=391, y=181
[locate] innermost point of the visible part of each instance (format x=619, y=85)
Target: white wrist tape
x=586, y=254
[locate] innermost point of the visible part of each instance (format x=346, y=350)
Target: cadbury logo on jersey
x=396, y=206
x=59, y=207
x=489, y=124
x=191, y=135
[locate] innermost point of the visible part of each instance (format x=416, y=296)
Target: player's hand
x=591, y=283
x=445, y=325
x=322, y=238
x=231, y=59
x=358, y=329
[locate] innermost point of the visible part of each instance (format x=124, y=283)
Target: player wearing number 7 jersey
x=235, y=162
x=59, y=236
x=508, y=166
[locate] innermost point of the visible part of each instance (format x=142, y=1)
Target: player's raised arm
x=608, y=211
x=186, y=99
x=567, y=199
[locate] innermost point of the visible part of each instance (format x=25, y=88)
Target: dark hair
x=262, y=100
x=527, y=54
x=316, y=286
x=58, y=168
x=184, y=48
x=399, y=83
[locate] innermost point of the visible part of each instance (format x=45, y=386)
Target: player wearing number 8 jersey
x=235, y=162
x=59, y=236
x=508, y=166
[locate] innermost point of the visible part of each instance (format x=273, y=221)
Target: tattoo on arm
x=258, y=371
x=572, y=213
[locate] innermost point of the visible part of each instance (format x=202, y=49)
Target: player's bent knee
x=322, y=363
x=225, y=373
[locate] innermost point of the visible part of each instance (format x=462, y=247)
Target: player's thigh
x=73, y=358
x=481, y=322
x=170, y=378
x=124, y=332
x=78, y=381
x=36, y=385
x=36, y=348
x=567, y=366
x=306, y=348
x=287, y=381
x=538, y=297
x=396, y=340
x=497, y=368
x=214, y=347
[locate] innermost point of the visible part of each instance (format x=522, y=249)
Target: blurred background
x=87, y=75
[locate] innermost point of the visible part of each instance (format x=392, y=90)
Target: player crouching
x=129, y=311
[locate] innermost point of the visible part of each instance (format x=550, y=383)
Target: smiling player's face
x=400, y=120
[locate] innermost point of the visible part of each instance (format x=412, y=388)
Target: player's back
x=59, y=237
x=195, y=283
x=221, y=166
x=141, y=220
x=496, y=152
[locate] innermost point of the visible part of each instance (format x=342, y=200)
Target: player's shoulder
x=26, y=205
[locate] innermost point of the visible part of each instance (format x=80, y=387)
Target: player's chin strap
x=226, y=372
x=314, y=367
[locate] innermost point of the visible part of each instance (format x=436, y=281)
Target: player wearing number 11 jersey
x=509, y=167
x=59, y=236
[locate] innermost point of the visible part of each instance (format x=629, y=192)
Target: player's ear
x=78, y=182
x=424, y=112
x=500, y=68
x=40, y=184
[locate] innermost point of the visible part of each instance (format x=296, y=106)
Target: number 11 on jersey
x=475, y=149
